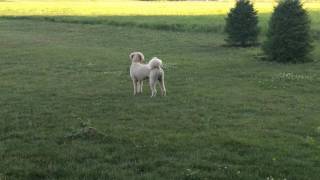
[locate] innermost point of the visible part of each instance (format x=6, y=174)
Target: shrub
x=242, y=24
x=288, y=37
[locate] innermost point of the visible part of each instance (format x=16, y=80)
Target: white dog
x=139, y=71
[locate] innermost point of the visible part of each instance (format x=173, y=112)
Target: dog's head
x=136, y=57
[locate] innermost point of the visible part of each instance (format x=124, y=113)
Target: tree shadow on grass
x=208, y=23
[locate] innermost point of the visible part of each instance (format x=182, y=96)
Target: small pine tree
x=288, y=37
x=242, y=24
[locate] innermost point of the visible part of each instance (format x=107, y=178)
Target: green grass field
x=67, y=109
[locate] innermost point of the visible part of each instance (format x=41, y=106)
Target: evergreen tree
x=242, y=24
x=288, y=37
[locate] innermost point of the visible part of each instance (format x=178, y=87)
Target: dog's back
x=139, y=71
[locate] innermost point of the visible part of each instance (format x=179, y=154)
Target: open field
x=67, y=110
x=176, y=16
x=126, y=8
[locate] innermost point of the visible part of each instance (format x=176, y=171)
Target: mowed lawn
x=67, y=109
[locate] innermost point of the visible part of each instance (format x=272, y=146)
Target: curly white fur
x=153, y=70
x=155, y=63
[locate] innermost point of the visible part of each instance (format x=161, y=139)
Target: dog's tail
x=155, y=63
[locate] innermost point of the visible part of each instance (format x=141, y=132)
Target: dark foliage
x=242, y=24
x=288, y=38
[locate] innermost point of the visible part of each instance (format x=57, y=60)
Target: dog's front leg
x=138, y=87
x=141, y=84
x=134, y=86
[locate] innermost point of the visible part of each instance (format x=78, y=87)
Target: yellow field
x=106, y=8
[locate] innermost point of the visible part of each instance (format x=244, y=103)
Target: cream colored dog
x=139, y=72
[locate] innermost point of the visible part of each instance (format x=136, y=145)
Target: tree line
x=288, y=39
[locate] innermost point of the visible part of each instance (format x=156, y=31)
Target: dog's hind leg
x=153, y=87
x=162, y=87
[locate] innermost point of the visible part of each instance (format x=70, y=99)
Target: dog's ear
x=141, y=57
x=131, y=56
